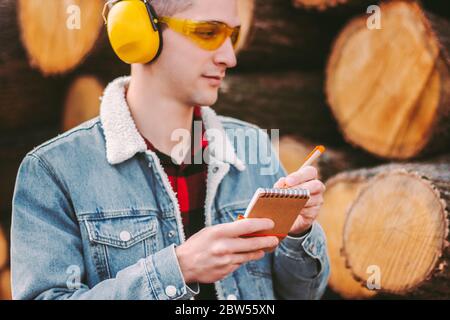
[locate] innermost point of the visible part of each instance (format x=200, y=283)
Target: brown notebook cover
x=281, y=205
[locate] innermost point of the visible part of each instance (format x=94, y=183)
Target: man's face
x=192, y=74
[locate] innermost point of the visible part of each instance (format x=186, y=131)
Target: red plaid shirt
x=188, y=181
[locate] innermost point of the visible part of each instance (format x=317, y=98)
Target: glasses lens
x=208, y=35
x=207, y=31
x=235, y=35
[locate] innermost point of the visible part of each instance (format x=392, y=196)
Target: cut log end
x=387, y=87
x=246, y=10
x=56, y=37
x=399, y=224
x=340, y=193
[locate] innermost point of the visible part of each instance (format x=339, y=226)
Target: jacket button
x=231, y=297
x=215, y=169
x=171, y=233
x=171, y=291
x=125, y=236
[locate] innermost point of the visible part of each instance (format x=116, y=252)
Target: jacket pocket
x=119, y=242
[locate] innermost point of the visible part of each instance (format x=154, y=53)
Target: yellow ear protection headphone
x=133, y=30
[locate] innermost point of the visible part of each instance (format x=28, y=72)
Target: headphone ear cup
x=131, y=34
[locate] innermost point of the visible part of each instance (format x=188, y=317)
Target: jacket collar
x=123, y=139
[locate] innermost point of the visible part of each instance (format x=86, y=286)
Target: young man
x=108, y=210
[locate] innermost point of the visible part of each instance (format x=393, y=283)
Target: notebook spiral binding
x=285, y=193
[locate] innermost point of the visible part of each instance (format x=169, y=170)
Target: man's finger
x=245, y=257
x=302, y=175
x=314, y=186
x=310, y=213
x=280, y=183
x=252, y=244
x=314, y=201
x=245, y=226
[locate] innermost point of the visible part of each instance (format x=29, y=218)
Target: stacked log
x=289, y=100
x=40, y=88
x=28, y=99
x=389, y=89
x=36, y=71
x=294, y=150
x=387, y=92
x=399, y=223
x=283, y=38
x=59, y=34
x=320, y=4
x=341, y=191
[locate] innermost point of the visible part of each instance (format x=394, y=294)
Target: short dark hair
x=170, y=7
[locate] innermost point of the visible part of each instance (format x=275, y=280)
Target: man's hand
x=214, y=252
x=305, y=178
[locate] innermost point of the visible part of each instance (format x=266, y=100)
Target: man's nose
x=226, y=54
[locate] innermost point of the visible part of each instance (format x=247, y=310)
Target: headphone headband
x=150, y=10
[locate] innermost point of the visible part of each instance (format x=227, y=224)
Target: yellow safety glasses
x=208, y=35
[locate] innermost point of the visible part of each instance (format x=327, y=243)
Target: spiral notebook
x=281, y=205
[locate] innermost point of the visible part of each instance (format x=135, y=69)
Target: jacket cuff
x=308, y=248
x=165, y=276
x=300, y=237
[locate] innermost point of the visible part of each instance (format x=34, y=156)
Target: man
x=108, y=210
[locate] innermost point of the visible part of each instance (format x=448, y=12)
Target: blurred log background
x=378, y=99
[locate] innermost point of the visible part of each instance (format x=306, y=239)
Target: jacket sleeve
x=301, y=266
x=47, y=251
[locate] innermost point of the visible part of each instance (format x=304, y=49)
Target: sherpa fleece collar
x=123, y=139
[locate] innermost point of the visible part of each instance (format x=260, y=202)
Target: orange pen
x=312, y=156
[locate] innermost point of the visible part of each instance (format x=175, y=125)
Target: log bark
x=293, y=150
x=438, y=7
x=290, y=101
x=282, y=37
x=31, y=100
x=27, y=98
x=82, y=101
x=322, y=5
x=59, y=34
x=399, y=223
x=389, y=89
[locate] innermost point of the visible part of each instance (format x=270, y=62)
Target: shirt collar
x=198, y=145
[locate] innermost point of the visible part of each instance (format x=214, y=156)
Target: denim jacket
x=95, y=217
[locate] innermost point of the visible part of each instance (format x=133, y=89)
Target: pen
x=312, y=156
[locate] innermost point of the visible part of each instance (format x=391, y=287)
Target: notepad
x=281, y=205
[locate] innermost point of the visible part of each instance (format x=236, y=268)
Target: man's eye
x=206, y=33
